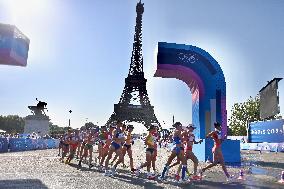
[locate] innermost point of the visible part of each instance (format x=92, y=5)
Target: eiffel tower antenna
x=136, y=65
x=135, y=83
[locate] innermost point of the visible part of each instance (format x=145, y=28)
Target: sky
x=80, y=53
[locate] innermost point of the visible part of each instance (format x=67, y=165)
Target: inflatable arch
x=205, y=78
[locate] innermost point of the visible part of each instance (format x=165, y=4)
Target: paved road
x=42, y=169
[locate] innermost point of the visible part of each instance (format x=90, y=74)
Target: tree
x=90, y=125
x=242, y=113
x=12, y=124
x=56, y=130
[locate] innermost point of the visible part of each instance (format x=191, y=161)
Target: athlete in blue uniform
x=177, y=151
x=117, y=141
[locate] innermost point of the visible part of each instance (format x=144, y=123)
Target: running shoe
x=107, y=173
x=155, y=173
x=177, y=177
x=167, y=172
x=113, y=171
x=160, y=178
x=184, y=181
x=189, y=174
x=200, y=173
x=230, y=178
x=90, y=166
x=151, y=177
x=79, y=164
x=100, y=168
x=196, y=177
x=137, y=172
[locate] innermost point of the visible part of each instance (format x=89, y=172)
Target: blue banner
x=17, y=144
x=31, y=144
x=3, y=145
x=266, y=131
x=51, y=143
x=22, y=144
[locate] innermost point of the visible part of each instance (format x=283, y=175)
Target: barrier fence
x=245, y=145
x=273, y=147
x=22, y=144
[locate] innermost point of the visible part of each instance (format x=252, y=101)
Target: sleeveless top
x=128, y=139
x=217, y=138
x=119, y=134
x=150, y=140
x=191, y=138
x=177, y=140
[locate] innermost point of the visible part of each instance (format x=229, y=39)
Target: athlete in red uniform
x=216, y=150
x=107, y=145
x=88, y=148
x=73, y=144
x=189, y=140
x=65, y=144
x=103, y=135
x=81, y=145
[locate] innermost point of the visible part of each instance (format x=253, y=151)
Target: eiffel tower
x=135, y=85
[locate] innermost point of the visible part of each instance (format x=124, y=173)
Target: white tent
x=2, y=131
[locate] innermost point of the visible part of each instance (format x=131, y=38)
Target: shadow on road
x=230, y=185
x=140, y=181
x=22, y=183
x=270, y=164
x=125, y=176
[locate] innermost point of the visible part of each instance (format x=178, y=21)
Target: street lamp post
x=70, y=111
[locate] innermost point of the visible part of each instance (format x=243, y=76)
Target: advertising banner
x=266, y=131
